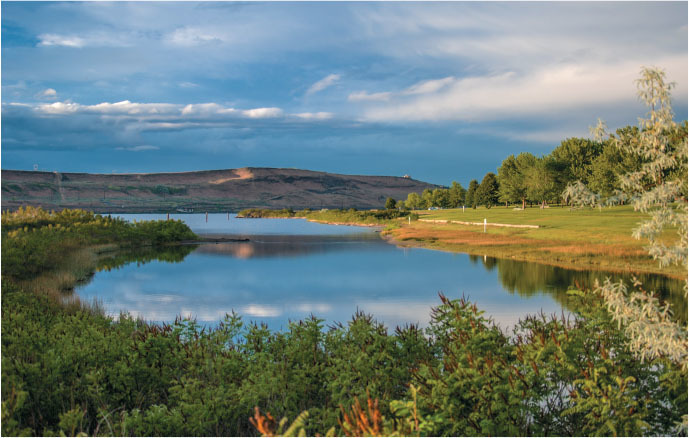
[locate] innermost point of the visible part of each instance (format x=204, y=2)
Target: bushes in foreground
x=73, y=371
x=70, y=370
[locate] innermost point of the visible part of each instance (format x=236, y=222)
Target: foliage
x=487, y=193
x=390, y=203
x=471, y=200
x=658, y=186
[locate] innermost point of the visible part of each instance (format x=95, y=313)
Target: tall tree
x=441, y=198
x=487, y=193
x=471, y=192
x=575, y=156
x=426, y=198
x=542, y=180
x=512, y=177
x=658, y=187
x=413, y=201
x=457, y=194
x=390, y=203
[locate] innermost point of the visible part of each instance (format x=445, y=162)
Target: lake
x=291, y=268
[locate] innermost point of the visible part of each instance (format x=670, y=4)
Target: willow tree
x=658, y=187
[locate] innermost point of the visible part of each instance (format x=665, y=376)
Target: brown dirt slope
x=211, y=190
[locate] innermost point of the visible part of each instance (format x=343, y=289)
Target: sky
x=440, y=91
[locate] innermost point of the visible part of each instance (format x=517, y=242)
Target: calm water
x=293, y=268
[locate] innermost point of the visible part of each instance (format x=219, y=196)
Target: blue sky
x=440, y=91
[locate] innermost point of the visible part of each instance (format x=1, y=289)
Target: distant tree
x=390, y=204
x=400, y=205
x=575, y=156
x=487, y=193
x=471, y=192
x=542, y=181
x=512, y=177
x=413, y=201
x=441, y=198
x=457, y=194
x=426, y=198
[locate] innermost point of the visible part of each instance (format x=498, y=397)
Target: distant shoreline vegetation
x=333, y=216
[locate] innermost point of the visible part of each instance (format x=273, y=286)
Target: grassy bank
x=587, y=239
x=332, y=216
x=578, y=239
x=67, y=369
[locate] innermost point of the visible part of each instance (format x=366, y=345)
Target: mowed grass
x=580, y=239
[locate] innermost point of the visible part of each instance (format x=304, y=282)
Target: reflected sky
x=278, y=276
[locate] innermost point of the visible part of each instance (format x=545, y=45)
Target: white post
x=462, y=209
x=409, y=220
x=484, y=224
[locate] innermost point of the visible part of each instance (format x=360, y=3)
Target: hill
x=211, y=190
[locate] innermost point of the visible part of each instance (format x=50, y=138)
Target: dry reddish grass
x=513, y=244
x=459, y=237
x=593, y=249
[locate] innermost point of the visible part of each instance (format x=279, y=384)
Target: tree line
x=527, y=178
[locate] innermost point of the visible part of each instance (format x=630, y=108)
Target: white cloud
x=140, y=148
x=48, y=94
x=188, y=85
x=58, y=108
x=193, y=36
x=554, y=88
x=360, y=96
x=315, y=116
x=127, y=107
x=431, y=86
x=323, y=84
x=51, y=39
x=207, y=109
x=262, y=113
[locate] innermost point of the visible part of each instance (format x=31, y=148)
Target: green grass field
x=581, y=238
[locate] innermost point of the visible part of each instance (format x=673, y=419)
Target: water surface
x=293, y=268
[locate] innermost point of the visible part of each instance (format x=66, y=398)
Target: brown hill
x=211, y=190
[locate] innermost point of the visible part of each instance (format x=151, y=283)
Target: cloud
x=314, y=116
x=48, y=93
x=323, y=84
x=140, y=148
x=360, y=96
x=188, y=85
x=193, y=36
x=51, y=39
x=262, y=113
x=510, y=94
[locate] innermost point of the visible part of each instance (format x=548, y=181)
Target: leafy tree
x=426, y=198
x=512, y=177
x=457, y=194
x=543, y=181
x=390, y=203
x=658, y=187
x=441, y=198
x=576, y=156
x=471, y=193
x=487, y=193
x=413, y=201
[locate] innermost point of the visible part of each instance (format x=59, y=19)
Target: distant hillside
x=212, y=190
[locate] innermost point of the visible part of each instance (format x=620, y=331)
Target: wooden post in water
x=168, y=216
x=228, y=215
x=206, y=217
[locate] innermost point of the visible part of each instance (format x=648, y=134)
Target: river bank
x=597, y=240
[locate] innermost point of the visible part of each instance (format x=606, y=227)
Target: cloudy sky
x=441, y=91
